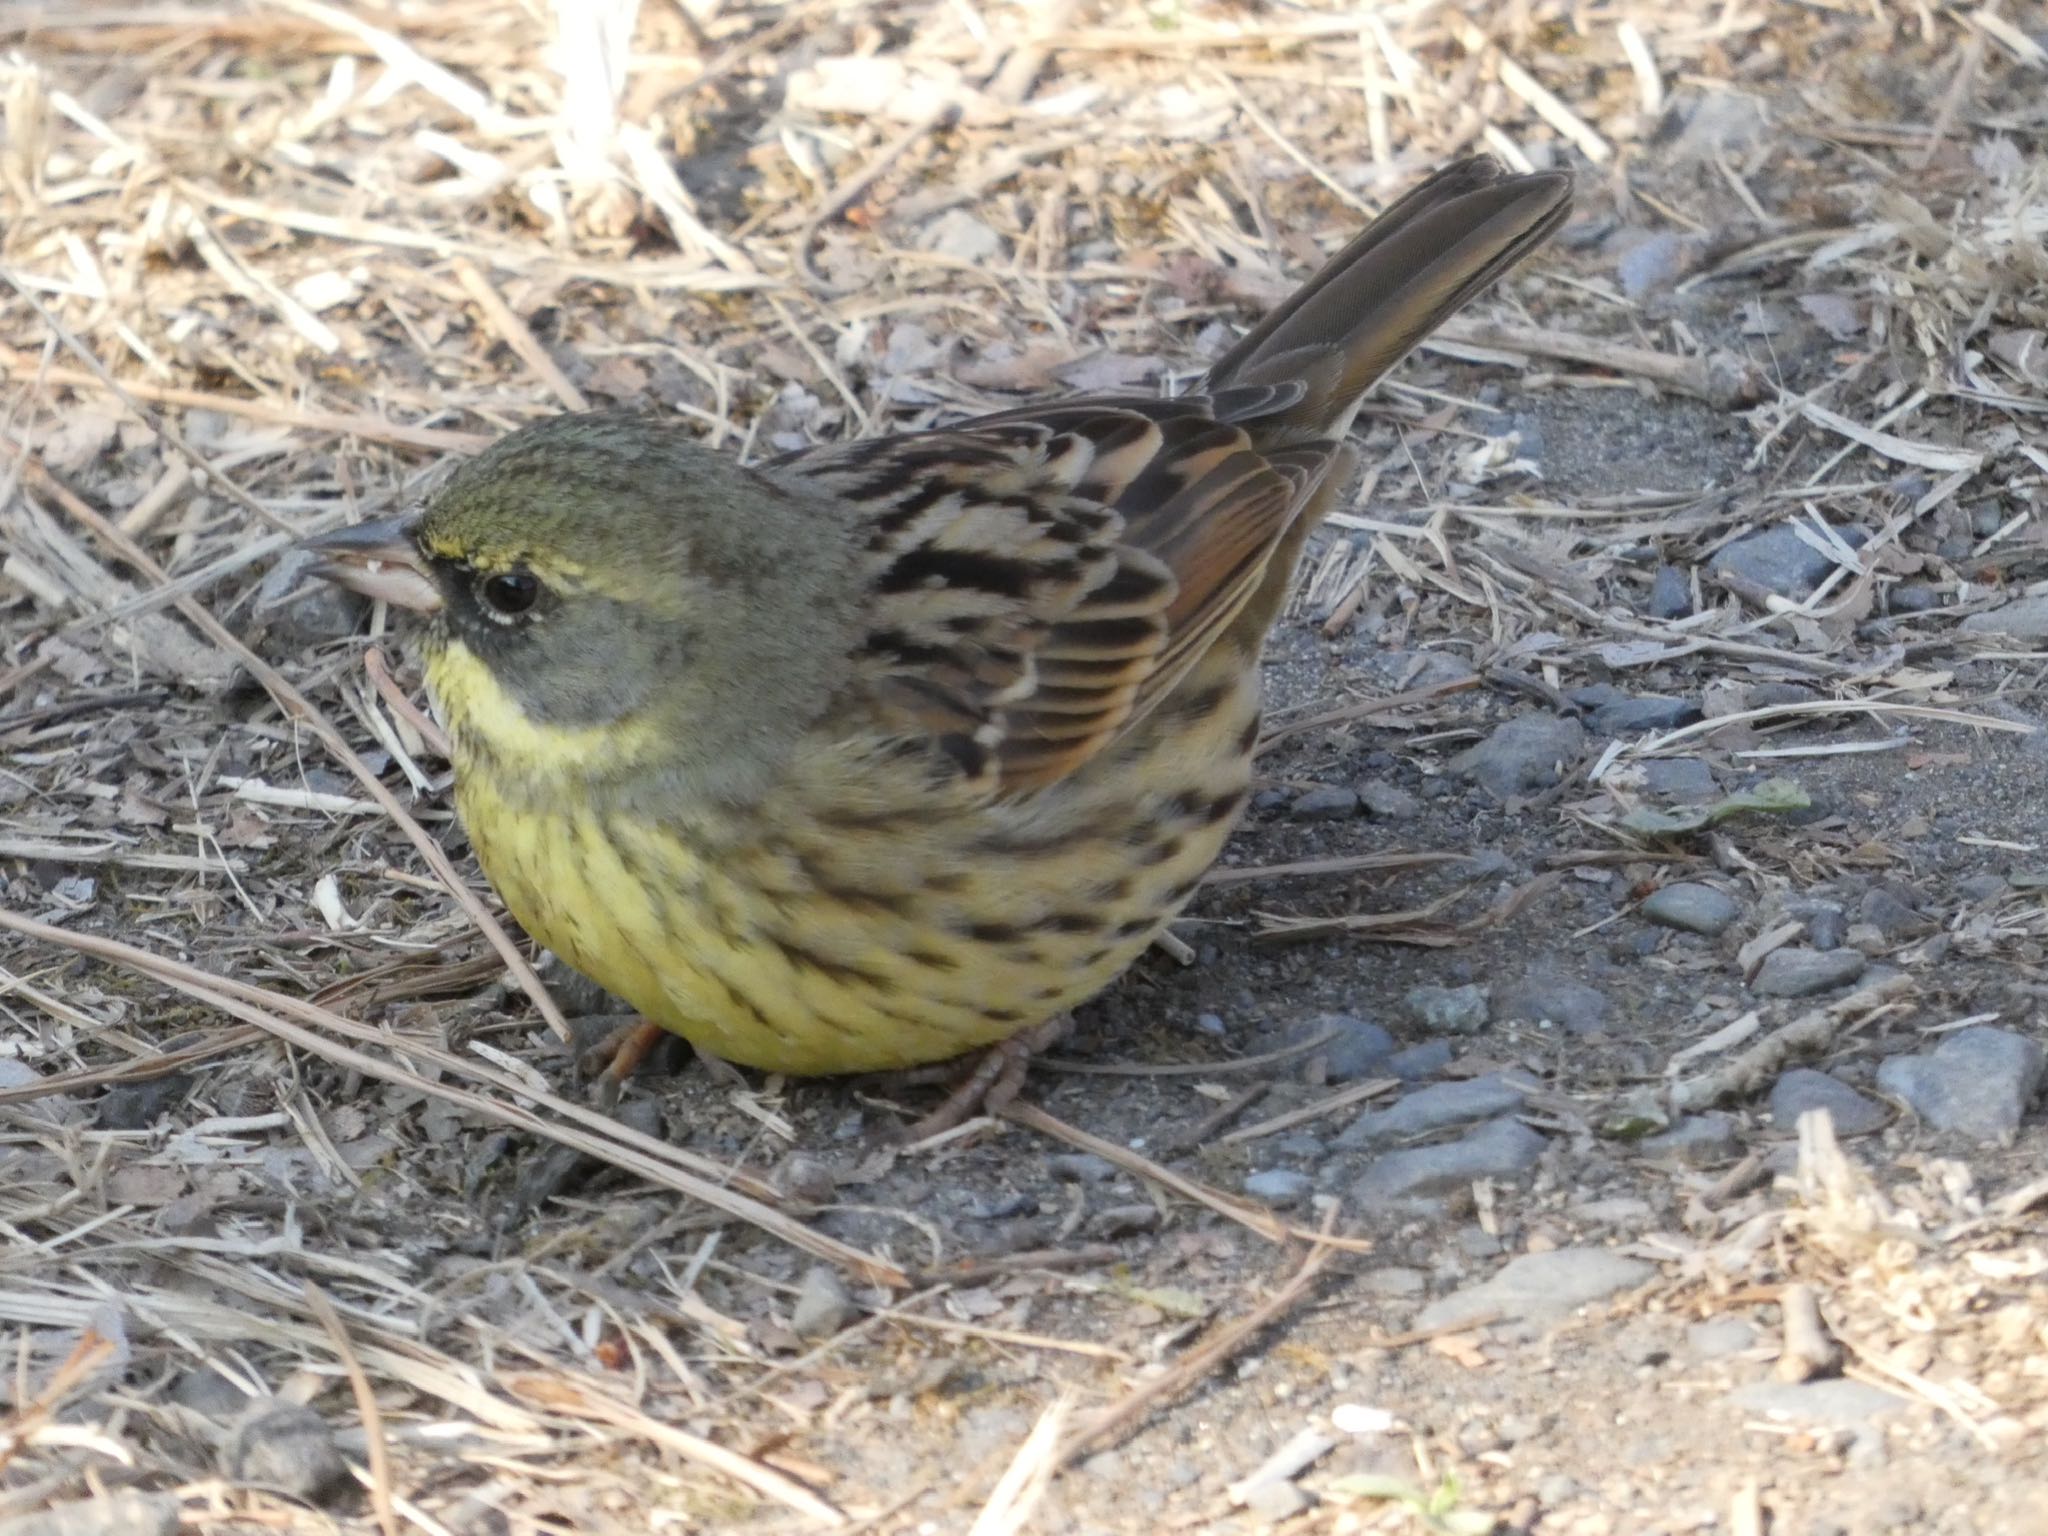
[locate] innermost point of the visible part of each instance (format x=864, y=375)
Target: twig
x=366, y=1406
x=1113, y=1421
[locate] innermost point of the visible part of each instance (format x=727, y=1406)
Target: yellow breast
x=857, y=918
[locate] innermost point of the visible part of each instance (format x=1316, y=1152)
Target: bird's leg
x=616, y=1055
x=995, y=1079
x=624, y=1048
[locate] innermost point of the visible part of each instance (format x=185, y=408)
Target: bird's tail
x=1305, y=368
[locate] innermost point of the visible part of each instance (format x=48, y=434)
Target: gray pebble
x=1686, y=780
x=1670, y=594
x=1630, y=717
x=2025, y=618
x=1914, y=597
x=1435, y=1108
x=1795, y=971
x=285, y=1446
x=1416, y=669
x=1212, y=1024
x=138, y=1106
x=1360, y=1048
x=321, y=612
x=1555, y=1000
x=1827, y=927
x=1890, y=916
x=1080, y=1167
x=1499, y=1149
x=1836, y=1404
x=1420, y=1061
x=1325, y=802
x=1527, y=754
x=1278, y=1187
x=1388, y=802
x=1698, y=1141
x=1450, y=1010
x=1540, y=1287
x=1977, y=1082
x=823, y=1305
x=1985, y=887
x=1276, y=1500
x=1802, y=1089
x=1719, y=1337
x=1778, y=560
x=1691, y=908
x=114, y=1514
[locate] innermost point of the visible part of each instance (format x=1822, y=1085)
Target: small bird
x=883, y=751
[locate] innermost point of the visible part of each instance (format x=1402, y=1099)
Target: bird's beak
x=379, y=559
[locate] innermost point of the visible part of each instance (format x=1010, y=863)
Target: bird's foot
x=615, y=1055
x=610, y=1048
x=992, y=1083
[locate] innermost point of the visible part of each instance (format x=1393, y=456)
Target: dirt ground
x=1656, y=752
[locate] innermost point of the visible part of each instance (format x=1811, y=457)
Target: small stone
x=1476, y=1242
x=1890, y=916
x=1670, y=594
x=1827, y=927
x=1405, y=670
x=1984, y=887
x=2025, y=618
x=1540, y=1287
x=1420, y=1061
x=1499, y=1149
x=138, y=1106
x=1698, y=1141
x=285, y=1446
x=1719, y=1337
x=1691, y=908
x=1358, y=1048
x=1798, y=972
x=1779, y=561
x=1212, y=1025
x=1914, y=597
x=1325, y=802
x=320, y=612
x=1450, y=1010
x=1080, y=1167
x=1557, y=1001
x=823, y=1306
x=1977, y=1082
x=1278, y=1187
x=1802, y=1089
x=960, y=235
x=1388, y=802
x=1276, y=1500
x=1683, y=780
x=1834, y=1404
x=1435, y=1108
x=1526, y=755
x=1630, y=717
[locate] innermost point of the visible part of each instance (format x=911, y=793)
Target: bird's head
x=602, y=571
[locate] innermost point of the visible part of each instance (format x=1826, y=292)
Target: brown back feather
x=1045, y=576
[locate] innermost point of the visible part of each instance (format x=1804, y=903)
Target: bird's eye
x=510, y=593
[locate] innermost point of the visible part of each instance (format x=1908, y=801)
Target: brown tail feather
x=1406, y=273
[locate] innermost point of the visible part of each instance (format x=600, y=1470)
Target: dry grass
x=269, y=265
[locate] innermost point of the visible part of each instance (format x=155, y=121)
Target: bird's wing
x=1042, y=578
